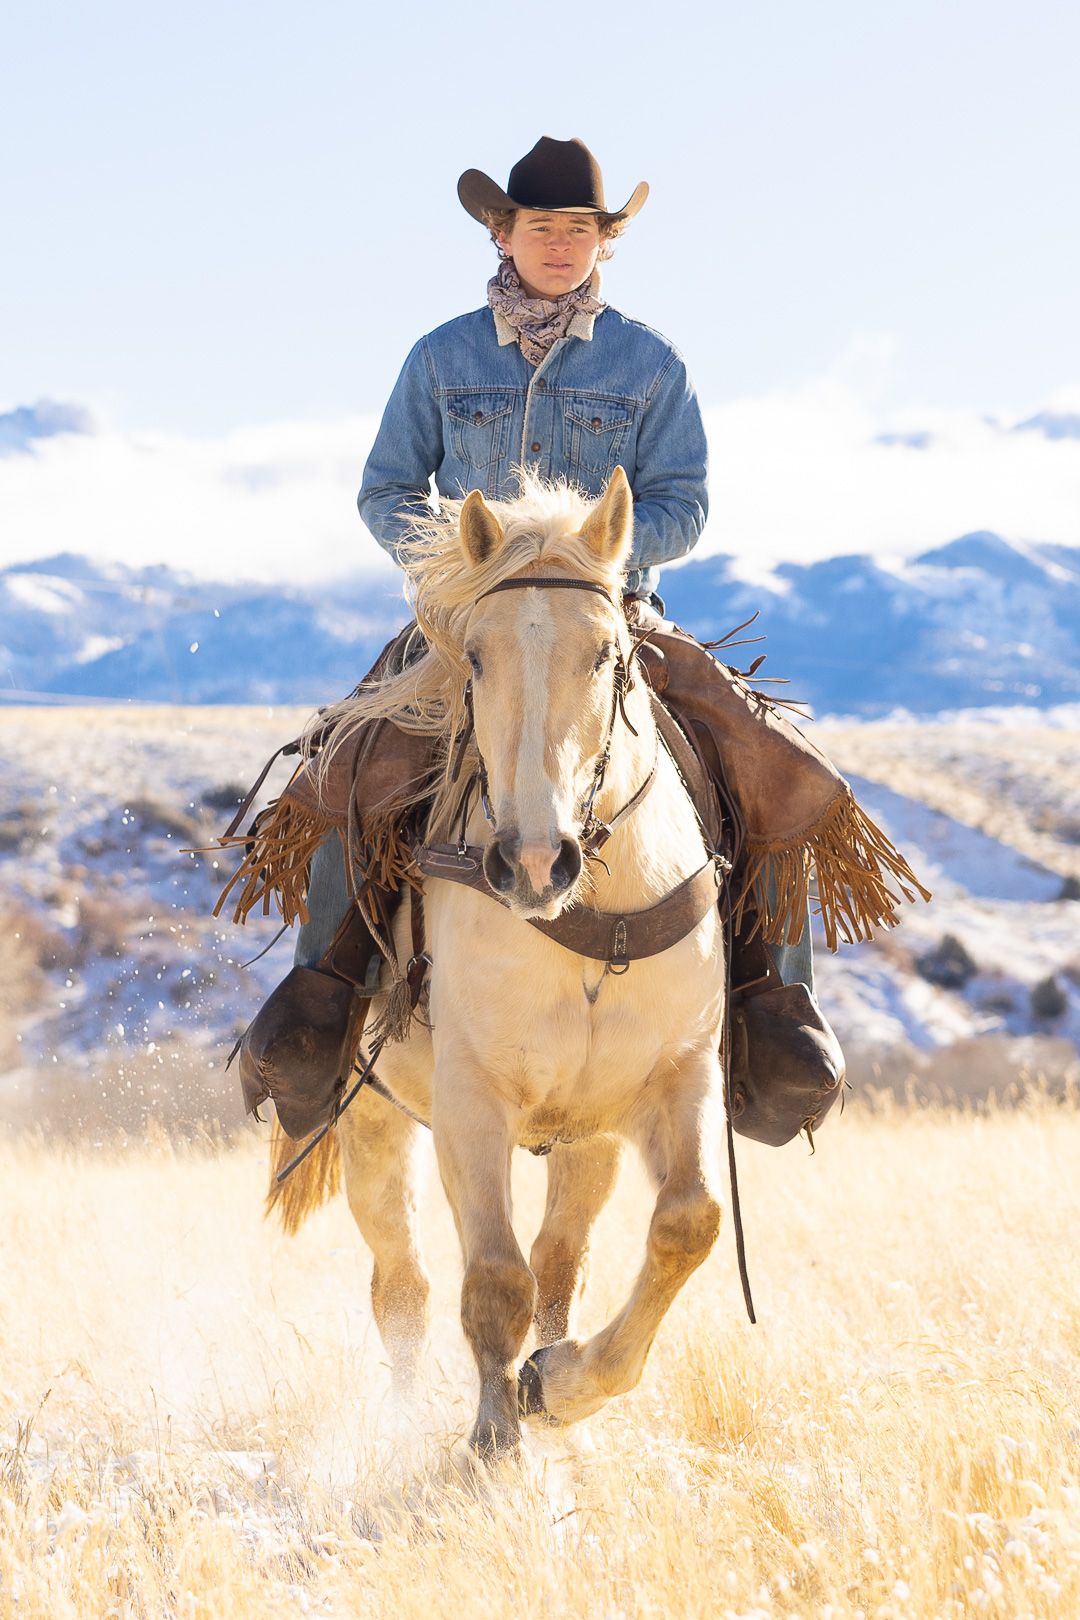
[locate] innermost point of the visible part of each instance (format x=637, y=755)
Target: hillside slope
x=115, y=957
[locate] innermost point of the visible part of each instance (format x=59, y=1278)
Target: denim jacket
x=468, y=407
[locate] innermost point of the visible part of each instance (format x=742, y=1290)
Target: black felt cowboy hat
x=556, y=177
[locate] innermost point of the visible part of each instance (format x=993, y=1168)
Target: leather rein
x=614, y=938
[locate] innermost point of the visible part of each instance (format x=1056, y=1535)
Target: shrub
x=158, y=816
x=20, y=828
x=949, y=965
x=1048, y=1000
x=225, y=798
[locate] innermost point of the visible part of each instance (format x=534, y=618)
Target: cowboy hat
x=556, y=177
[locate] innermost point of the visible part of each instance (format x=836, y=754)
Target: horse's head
x=543, y=665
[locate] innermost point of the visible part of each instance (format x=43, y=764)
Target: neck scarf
x=539, y=322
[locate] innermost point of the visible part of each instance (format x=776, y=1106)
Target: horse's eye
x=475, y=664
x=602, y=656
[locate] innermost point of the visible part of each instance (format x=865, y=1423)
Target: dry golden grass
x=195, y=1419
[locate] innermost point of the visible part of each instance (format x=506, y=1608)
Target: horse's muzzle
x=534, y=875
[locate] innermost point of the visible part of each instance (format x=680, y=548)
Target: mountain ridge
x=976, y=621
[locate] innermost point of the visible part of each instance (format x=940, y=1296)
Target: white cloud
x=275, y=502
x=796, y=474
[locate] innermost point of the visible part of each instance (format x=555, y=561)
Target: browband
x=549, y=584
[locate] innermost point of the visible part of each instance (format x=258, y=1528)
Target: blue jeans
x=795, y=963
x=328, y=899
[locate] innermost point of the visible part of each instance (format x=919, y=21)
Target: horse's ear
x=609, y=526
x=479, y=529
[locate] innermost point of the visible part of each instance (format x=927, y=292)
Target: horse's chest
x=581, y=1053
x=571, y=1045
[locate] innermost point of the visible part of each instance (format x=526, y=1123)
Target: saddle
x=783, y=1062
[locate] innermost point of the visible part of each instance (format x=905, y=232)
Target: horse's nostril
x=498, y=870
x=567, y=866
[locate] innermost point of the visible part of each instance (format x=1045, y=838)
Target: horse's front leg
x=676, y=1133
x=580, y=1178
x=474, y=1137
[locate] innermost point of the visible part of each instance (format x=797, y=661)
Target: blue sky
x=226, y=218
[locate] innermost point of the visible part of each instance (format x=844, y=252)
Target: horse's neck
x=659, y=842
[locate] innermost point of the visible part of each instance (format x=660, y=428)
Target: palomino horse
x=526, y=1043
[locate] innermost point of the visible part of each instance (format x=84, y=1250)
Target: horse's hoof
x=492, y=1445
x=531, y=1388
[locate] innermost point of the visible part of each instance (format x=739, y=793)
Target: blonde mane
x=541, y=527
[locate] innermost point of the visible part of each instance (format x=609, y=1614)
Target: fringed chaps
x=804, y=839
x=799, y=818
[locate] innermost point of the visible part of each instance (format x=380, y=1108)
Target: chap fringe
x=854, y=863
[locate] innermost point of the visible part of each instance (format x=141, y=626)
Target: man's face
x=552, y=253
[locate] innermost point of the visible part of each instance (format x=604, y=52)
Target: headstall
x=594, y=833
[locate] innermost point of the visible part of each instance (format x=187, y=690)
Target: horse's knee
x=557, y=1267
x=684, y=1229
x=399, y=1298
x=498, y=1298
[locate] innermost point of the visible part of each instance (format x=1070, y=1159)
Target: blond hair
x=542, y=525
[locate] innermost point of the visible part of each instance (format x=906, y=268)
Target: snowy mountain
x=72, y=628
x=19, y=428
x=1052, y=425
x=978, y=621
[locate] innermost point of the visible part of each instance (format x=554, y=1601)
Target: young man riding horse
x=550, y=377
x=545, y=383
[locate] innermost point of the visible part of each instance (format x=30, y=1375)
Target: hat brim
x=478, y=192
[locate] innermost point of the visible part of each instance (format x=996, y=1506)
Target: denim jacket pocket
x=479, y=422
x=595, y=432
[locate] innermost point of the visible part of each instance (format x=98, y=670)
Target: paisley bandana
x=538, y=322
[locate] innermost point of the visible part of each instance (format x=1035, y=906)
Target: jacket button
x=535, y=446
x=596, y=422
x=541, y=383
x=478, y=416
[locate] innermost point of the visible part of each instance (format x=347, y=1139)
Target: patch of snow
x=760, y=574
x=96, y=647
x=950, y=858
x=44, y=593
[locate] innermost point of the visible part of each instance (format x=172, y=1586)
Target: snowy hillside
x=977, y=621
x=115, y=974
x=70, y=627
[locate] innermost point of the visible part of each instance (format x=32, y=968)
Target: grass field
x=195, y=1418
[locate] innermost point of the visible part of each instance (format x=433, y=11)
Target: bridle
x=614, y=938
x=594, y=833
